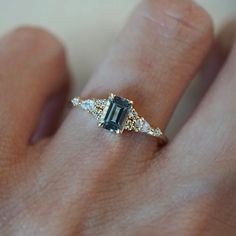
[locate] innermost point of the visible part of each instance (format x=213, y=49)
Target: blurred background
x=88, y=27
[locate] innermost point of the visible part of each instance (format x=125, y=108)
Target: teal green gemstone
x=117, y=114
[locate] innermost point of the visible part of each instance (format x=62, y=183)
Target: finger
x=153, y=61
x=212, y=128
x=51, y=116
x=202, y=156
x=32, y=65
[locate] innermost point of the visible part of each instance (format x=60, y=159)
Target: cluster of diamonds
x=134, y=121
x=93, y=106
x=139, y=124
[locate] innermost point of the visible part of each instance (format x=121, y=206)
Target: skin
x=85, y=181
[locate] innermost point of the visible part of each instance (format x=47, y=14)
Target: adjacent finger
x=209, y=136
x=51, y=115
x=33, y=68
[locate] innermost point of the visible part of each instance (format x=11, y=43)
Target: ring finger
x=152, y=62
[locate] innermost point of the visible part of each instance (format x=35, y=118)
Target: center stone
x=116, y=114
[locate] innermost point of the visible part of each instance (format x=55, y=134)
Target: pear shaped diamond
x=88, y=105
x=146, y=127
x=143, y=125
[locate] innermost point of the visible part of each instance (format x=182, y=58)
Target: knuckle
x=37, y=40
x=175, y=18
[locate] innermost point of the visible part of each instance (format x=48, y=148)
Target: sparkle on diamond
x=88, y=105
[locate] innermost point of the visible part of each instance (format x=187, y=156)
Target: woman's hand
x=86, y=181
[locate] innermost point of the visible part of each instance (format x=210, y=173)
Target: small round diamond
x=157, y=132
x=75, y=101
x=101, y=103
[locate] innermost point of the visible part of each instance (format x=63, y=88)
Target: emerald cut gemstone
x=116, y=114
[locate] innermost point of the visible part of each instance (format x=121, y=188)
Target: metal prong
x=112, y=95
x=100, y=124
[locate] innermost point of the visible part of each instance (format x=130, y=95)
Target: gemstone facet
x=115, y=114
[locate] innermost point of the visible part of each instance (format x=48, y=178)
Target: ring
x=117, y=114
